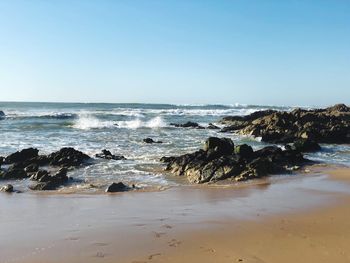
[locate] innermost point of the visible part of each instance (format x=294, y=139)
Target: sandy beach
x=302, y=218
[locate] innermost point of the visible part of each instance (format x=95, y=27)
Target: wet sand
x=303, y=218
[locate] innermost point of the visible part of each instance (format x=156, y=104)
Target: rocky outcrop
x=117, y=187
x=105, y=154
x=22, y=156
x=2, y=115
x=150, y=141
x=188, y=124
x=68, y=157
x=27, y=163
x=330, y=125
x=220, y=160
x=46, y=181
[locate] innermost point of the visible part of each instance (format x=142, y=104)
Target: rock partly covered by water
x=188, y=124
x=329, y=125
x=150, y=140
x=221, y=159
x=2, y=115
x=27, y=163
x=47, y=181
x=117, y=187
x=6, y=188
x=105, y=154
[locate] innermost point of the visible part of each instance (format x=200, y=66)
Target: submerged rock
x=117, y=187
x=105, y=154
x=6, y=188
x=188, y=124
x=150, y=140
x=221, y=160
x=329, y=125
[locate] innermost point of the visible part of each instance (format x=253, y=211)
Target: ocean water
x=121, y=129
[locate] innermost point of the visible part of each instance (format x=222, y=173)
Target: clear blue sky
x=180, y=51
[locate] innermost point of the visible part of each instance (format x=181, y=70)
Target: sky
x=182, y=51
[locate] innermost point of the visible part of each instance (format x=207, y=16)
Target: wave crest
x=154, y=123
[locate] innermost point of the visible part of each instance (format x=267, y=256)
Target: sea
x=121, y=128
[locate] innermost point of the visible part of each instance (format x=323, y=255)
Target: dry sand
x=303, y=218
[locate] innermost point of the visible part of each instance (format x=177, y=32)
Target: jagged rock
x=212, y=127
x=188, y=124
x=330, y=125
x=14, y=172
x=150, y=140
x=49, y=182
x=68, y=157
x=31, y=168
x=244, y=150
x=22, y=156
x=105, y=154
x=2, y=115
x=6, y=188
x=224, y=146
x=117, y=187
x=221, y=160
x=306, y=145
x=41, y=176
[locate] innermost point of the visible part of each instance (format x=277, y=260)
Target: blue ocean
x=121, y=128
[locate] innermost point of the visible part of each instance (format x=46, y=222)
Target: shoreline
x=178, y=224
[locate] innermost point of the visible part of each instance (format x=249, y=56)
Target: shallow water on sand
x=121, y=129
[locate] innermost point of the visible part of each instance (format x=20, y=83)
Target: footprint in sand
x=73, y=238
x=100, y=254
x=158, y=234
x=150, y=257
x=174, y=243
x=100, y=244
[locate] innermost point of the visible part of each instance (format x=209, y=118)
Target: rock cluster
x=27, y=163
x=105, y=154
x=221, y=159
x=329, y=125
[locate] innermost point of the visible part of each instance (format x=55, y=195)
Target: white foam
x=154, y=123
x=87, y=122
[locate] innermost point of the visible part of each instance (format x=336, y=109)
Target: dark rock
x=41, y=175
x=31, y=168
x=212, y=127
x=49, y=182
x=14, y=172
x=117, y=187
x=330, y=125
x=224, y=146
x=306, y=145
x=22, y=156
x=105, y=154
x=2, y=115
x=244, y=150
x=188, y=124
x=220, y=160
x=150, y=140
x=68, y=157
x=6, y=188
